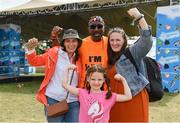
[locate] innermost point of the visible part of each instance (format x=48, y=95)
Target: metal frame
x=79, y=7
x=174, y=2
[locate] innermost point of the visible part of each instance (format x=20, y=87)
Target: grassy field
x=18, y=104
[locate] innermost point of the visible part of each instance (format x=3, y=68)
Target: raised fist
x=32, y=43
x=56, y=30
x=134, y=12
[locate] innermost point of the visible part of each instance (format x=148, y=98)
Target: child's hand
x=118, y=77
x=72, y=67
x=64, y=83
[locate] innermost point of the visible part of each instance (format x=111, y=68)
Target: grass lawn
x=18, y=104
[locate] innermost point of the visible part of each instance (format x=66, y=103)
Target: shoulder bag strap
x=70, y=83
x=128, y=54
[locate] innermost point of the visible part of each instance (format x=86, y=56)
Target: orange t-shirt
x=92, y=53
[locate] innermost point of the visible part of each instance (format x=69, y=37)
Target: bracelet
x=139, y=18
x=135, y=21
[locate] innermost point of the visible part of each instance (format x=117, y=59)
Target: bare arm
x=55, y=35
x=134, y=12
x=127, y=93
x=144, y=43
x=33, y=59
x=65, y=84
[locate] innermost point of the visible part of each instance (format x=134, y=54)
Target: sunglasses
x=99, y=26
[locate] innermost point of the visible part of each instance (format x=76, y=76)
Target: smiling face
x=96, y=30
x=96, y=27
x=96, y=80
x=116, y=41
x=70, y=45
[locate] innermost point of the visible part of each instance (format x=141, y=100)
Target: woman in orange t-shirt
x=135, y=110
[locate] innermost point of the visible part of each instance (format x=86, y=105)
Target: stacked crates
x=9, y=49
x=25, y=68
x=168, y=46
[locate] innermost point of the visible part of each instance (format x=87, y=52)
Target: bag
x=60, y=107
x=154, y=88
x=57, y=108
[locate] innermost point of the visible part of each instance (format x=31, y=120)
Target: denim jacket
x=126, y=68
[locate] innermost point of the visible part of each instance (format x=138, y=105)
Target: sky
x=6, y=4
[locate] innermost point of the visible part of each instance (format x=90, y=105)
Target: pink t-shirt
x=94, y=107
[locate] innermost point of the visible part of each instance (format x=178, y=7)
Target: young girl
x=95, y=104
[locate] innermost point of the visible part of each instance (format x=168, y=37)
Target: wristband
x=139, y=18
x=136, y=21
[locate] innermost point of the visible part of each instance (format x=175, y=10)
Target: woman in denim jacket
x=137, y=109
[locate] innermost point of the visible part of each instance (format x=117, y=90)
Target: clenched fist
x=32, y=43
x=134, y=12
x=56, y=30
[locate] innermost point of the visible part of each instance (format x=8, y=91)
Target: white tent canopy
x=9, y=7
x=19, y=5
x=31, y=14
x=7, y=4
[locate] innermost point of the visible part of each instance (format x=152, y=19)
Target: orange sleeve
x=35, y=60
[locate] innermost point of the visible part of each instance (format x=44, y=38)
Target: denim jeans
x=71, y=116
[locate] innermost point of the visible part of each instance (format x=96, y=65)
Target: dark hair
x=116, y=55
x=71, y=33
x=99, y=69
x=76, y=57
